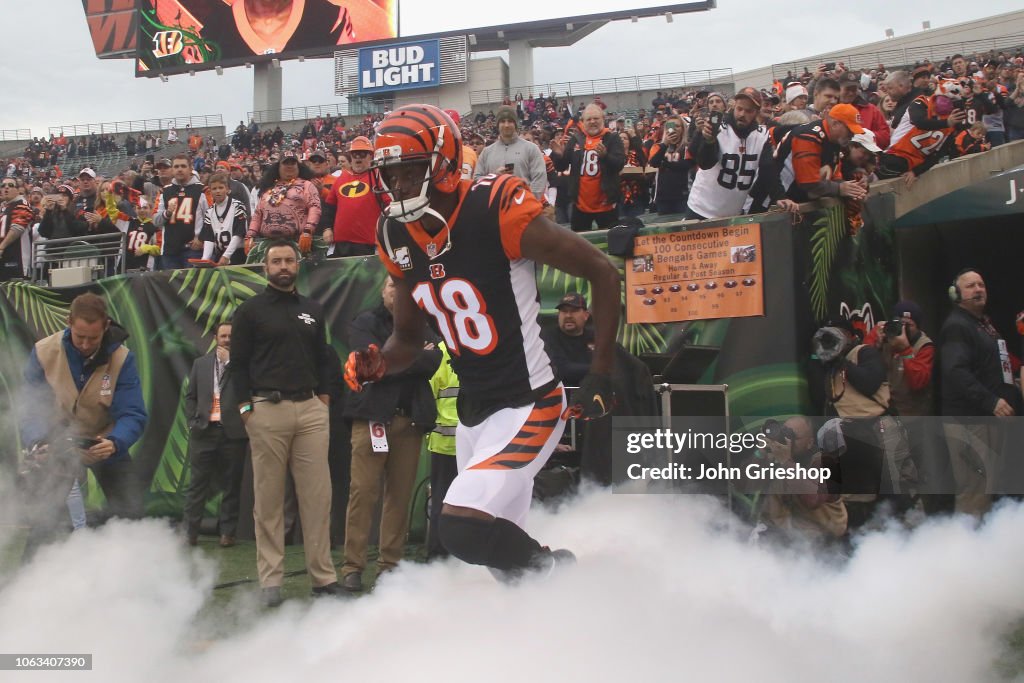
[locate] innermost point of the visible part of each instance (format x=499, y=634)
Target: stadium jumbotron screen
x=192, y=35
x=176, y=36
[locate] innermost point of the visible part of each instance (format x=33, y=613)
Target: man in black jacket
x=217, y=440
x=389, y=420
x=976, y=382
x=595, y=156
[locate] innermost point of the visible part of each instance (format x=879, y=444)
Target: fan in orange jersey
x=921, y=148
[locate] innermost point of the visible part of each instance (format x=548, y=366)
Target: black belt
x=278, y=396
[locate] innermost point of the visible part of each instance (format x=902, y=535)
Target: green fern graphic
x=829, y=231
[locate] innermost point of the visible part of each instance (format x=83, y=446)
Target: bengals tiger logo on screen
x=167, y=44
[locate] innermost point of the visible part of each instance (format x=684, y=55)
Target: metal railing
x=311, y=112
x=140, y=125
x=15, y=134
x=101, y=253
x=643, y=83
x=903, y=56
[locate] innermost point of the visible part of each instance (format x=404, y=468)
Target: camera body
x=830, y=66
x=893, y=328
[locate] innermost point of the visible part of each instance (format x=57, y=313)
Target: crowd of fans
x=826, y=132
x=697, y=153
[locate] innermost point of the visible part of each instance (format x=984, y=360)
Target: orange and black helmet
x=421, y=132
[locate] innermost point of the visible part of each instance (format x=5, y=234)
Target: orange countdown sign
x=696, y=274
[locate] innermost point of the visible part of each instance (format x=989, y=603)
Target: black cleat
x=549, y=561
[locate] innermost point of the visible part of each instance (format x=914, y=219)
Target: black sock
x=498, y=544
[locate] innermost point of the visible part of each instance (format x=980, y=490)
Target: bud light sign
x=399, y=67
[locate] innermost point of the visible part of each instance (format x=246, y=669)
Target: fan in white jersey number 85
x=735, y=167
x=461, y=315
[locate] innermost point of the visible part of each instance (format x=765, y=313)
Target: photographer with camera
x=799, y=508
x=856, y=386
x=733, y=153
x=84, y=408
x=909, y=356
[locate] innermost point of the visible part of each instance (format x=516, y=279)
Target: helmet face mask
x=418, y=133
x=403, y=207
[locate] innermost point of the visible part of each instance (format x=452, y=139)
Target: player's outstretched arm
x=546, y=242
x=406, y=342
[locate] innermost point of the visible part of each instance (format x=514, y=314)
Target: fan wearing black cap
x=909, y=355
x=571, y=344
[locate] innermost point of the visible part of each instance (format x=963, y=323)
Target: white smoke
x=663, y=591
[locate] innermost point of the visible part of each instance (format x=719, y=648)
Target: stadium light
x=926, y=25
x=472, y=39
x=192, y=74
x=276, y=63
x=568, y=27
x=501, y=35
x=302, y=58
x=634, y=19
x=220, y=71
x=668, y=18
x=889, y=33
x=163, y=78
x=248, y=65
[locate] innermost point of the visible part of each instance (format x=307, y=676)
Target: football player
x=462, y=255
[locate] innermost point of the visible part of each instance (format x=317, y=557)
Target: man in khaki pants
x=389, y=420
x=279, y=371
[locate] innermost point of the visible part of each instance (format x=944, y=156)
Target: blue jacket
x=127, y=409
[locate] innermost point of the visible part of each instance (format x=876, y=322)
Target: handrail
x=312, y=111
x=640, y=83
x=139, y=125
x=904, y=56
x=15, y=134
x=103, y=253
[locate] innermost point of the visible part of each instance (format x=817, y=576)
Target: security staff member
x=441, y=444
x=389, y=419
x=217, y=440
x=976, y=382
x=279, y=370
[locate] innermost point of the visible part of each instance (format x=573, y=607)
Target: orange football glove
x=364, y=366
x=1020, y=323
x=305, y=243
x=249, y=242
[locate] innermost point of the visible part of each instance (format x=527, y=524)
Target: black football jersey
x=480, y=295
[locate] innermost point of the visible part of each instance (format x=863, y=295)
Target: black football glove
x=592, y=400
